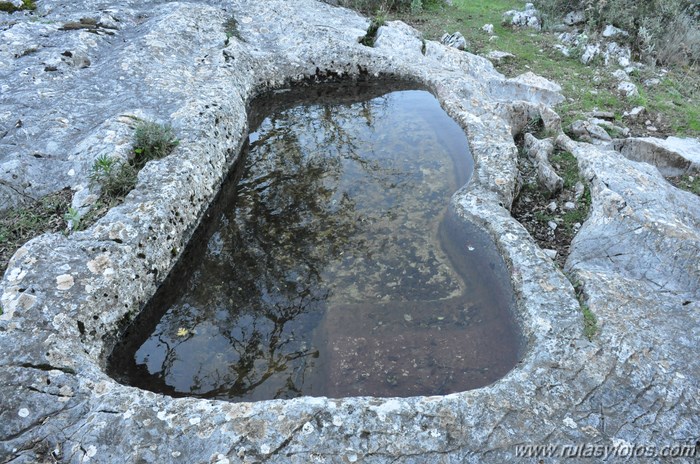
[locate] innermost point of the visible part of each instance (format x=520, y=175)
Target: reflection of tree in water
x=260, y=288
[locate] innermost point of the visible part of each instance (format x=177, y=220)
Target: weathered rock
x=590, y=51
x=611, y=31
x=603, y=114
x=609, y=127
x=673, y=156
x=551, y=254
x=566, y=51
x=609, y=51
x=498, y=56
x=488, y=28
x=616, y=53
x=539, y=151
x=628, y=89
x=455, y=40
x=536, y=87
x=589, y=132
x=529, y=17
x=625, y=86
x=574, y=18
x=65, y=298
x=638, y=242
x=635, y=113
x=550, y=120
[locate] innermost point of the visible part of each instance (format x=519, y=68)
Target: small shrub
x=590, y=322
x=72, y=218
x=9, y=7
x=152, y=141
x=370, y=7
x=374, y=25
x=231, y=29
x=117, y=177
x=416, y=6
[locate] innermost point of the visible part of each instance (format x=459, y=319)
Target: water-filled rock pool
x=330, y=264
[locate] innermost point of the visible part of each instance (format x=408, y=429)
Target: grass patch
x=590, y=322
x=567, y=167
x=686, y=182
x=374, y=25
x=231, y=30
x=8, y=7
x=586, y=88
x=533, y=206
x=22, y=223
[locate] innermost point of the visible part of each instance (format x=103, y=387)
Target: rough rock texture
x=574, y=18
x=455, y=40
x=539, y=151
x=529, y=17
x=673, y=156
x=65, y=298
x=588, y=131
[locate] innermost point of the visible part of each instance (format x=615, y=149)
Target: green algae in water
x=330, y=266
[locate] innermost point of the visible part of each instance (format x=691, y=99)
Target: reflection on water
x=330, y=267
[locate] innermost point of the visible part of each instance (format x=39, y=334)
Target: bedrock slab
x=673, y=156
x=65, y=298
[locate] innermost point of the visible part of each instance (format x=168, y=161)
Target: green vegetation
x=118, y=177
x=567, y=167
x=20, y=224
x=115, y=177
x=565, y=164
x=72, y=218
x=688, y=183
x=374, y=25
x=578, y=214
x=10, y=8
x=590, y=322
x=586, y=87
x=231, y=30
x=370, y=7
x=662, y=32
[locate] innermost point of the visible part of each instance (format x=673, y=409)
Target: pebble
x=551, y=254
x=570, y=205
x=552, y=206
x=552, y=225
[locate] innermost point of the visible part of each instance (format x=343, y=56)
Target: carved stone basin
x=330, y=264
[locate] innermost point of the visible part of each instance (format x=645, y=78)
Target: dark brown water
x=330, y=265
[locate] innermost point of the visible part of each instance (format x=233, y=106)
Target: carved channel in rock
x=330, y=265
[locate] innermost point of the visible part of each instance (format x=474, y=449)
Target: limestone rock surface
x=673, y=156
x=66, y=298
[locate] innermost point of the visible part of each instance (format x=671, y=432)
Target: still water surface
x=329, y=266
